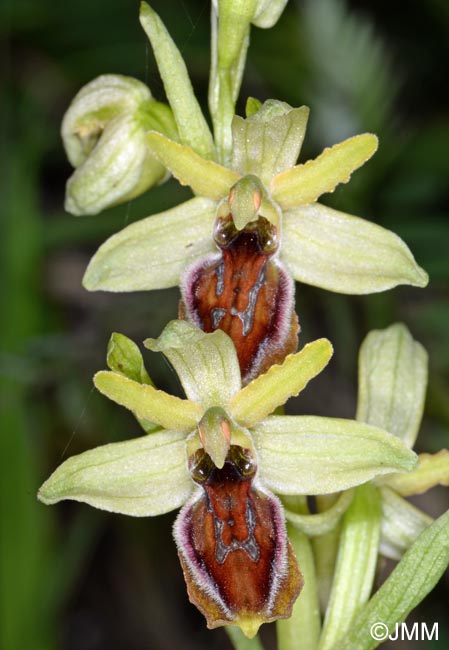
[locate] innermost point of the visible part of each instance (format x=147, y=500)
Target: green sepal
x=124, y=357
x=323, y=522
x=343, y=253
x=252, y=106
x=402, y=524
x=318, y=455
x=206, y=364
x=304, y=183
x=157, y=116
x=205, y=177
x=392, y=382
x=268, y=12
x=409, y=583
x=192, y=126
x=272, y=389
x=431, y=470
x=141, y=477
x=268, y=142
x=149, y=403
x=153, y=252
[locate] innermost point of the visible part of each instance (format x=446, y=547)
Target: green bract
x=319, y=245
x=297, y=455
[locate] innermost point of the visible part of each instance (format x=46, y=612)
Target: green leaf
x=205, y=177
x=342, y=253
x=356, y=563
x=142, y=477
x=272, y=389
x=322, y=522
x=268, y=142
x=153, y=252
x=402, y=523
x=392, y=382
x=432, y=470
x=206, y=364
x=410, y=582
x=317, y=455
x=192, y=126
x=303, y=184
x=148, y=403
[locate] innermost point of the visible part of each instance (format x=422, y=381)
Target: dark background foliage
x=76, y=579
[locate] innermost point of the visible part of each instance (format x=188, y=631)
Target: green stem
x=325, y=550
x=302, y=629
x=356, y=563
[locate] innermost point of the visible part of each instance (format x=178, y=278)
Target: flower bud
x=104, y=137
x=238, y=563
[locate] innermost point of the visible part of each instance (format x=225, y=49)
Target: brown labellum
x=238, y=564
x=246, y=293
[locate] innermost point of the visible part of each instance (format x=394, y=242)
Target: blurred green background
x=72, y=578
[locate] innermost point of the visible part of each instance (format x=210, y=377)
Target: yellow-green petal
x=141, y=477
x=304, y=183
x=205, y=177
x=272, y=389
x=146, y=402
